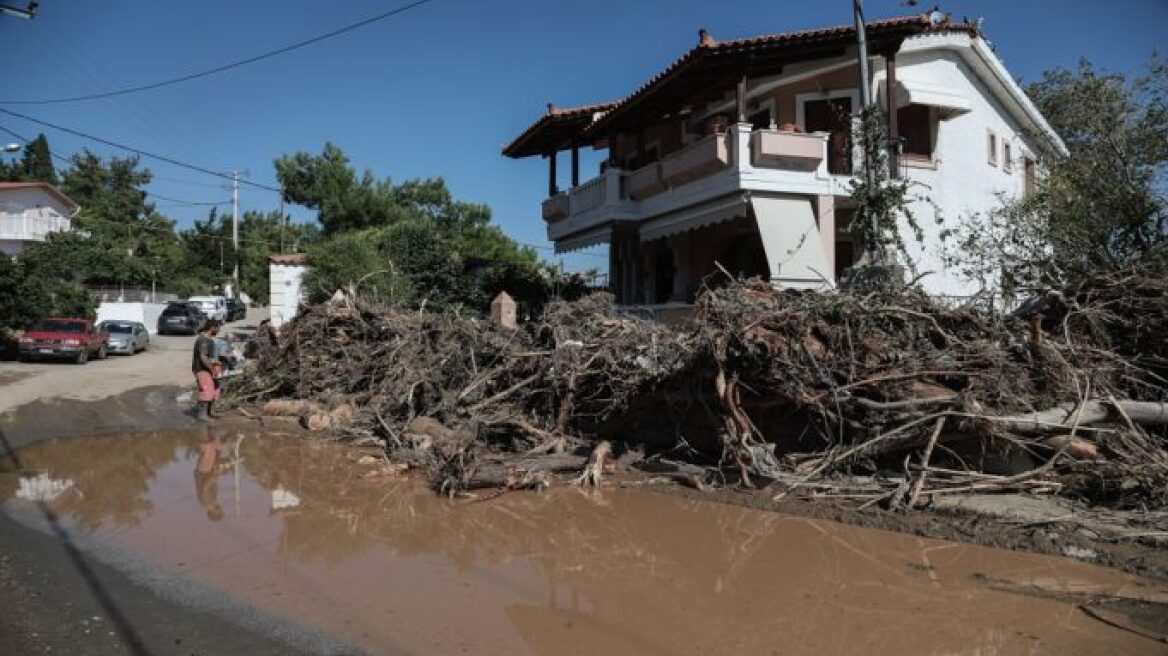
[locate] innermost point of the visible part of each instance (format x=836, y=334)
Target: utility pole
x=235, y=230
x=865, y=108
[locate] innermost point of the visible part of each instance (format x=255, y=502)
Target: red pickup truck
x=75, y=339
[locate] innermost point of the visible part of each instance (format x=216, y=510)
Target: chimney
x=551, y=108
x=704, y=38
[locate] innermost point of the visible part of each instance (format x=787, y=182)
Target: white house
x=29, y=211
x=285, y=286
x=740, y=154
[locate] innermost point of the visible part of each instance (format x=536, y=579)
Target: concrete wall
x=285, y=291
x=145, y=313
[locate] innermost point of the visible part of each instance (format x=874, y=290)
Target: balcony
x=556, y=207
x=645, y=182
x=33, y=224
x=696, y=160
x=741, y=159
x=786, y=150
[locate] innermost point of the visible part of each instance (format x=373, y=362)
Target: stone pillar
x=825, y=217
x=503, y=311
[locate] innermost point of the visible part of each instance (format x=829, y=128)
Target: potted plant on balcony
x=716, y=124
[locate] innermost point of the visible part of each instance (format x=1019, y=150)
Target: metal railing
x=33, y=224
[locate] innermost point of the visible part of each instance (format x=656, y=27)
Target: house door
x=832, y=115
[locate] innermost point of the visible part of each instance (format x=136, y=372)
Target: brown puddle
x=294, y=528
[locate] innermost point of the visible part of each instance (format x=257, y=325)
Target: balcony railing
x=32, y=225
x=740, y=159
x=588, y=196
x=556, y=207
x=696, y=160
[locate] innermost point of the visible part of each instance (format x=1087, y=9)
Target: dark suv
x=180, y=318
x=236, y=309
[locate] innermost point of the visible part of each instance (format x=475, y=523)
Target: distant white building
x=285, y=290
x=29, y=211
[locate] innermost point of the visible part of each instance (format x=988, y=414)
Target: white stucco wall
x=146, y=313
x=285, y=291
x=963, y=181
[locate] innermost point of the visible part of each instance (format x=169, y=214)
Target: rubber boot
x=203, y=412
x=211, y=410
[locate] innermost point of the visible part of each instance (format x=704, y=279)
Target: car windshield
x=175, y=311
x=60, y=326
x=118, y=328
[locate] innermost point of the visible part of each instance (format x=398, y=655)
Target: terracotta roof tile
x=556, y=122
x=289, y=258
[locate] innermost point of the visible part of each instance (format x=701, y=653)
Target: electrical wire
x=225, y=67
x=186, y=202
x=139, y=151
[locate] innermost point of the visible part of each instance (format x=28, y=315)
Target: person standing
x=204, y=367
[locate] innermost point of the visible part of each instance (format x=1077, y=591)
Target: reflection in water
x=41, y=487
x=387, y=564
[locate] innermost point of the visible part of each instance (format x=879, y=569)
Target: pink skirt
x=207, y=389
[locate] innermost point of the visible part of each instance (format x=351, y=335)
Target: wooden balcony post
x=575, y=166
x=741, y=100
x=553, y=189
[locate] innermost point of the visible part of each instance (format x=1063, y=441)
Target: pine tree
x=37, y=163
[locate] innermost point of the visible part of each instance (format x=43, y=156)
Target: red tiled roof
x=289, y=258
x=569, y=126
x=554, y=128
x=44, y=185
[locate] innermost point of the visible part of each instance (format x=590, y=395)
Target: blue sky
x=436, y=91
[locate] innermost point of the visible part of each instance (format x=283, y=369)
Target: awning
x=709, y=213
x=790, y=237
x=916, y=92
x=581, y=240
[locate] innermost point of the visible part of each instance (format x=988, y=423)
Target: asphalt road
x=60, y=594
x=166, y=362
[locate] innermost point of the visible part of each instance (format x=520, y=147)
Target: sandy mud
x=315, y=533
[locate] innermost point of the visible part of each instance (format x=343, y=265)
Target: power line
x=138, y=151
x=225, y=67
x=185, y=202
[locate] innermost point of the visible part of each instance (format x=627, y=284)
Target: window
x=915, y=124
x=1029, y=175
x=992, y=147
x=1007, y=157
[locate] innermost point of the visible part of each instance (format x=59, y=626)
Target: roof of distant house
x=60, y=195
x=289, y=258
x=700, y=70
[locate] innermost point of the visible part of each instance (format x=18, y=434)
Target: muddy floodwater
x=305, y=531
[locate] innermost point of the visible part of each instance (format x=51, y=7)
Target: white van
x=215, y=307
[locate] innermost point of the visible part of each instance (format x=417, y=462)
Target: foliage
x=1100, y=206
x=26, y=297
x=346, y=201
x=882, y=201
x=411, y=244
x=261, y=234
x=36, y=164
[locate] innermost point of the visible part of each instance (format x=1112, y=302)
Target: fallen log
x=504, y=473
x=1144, y=413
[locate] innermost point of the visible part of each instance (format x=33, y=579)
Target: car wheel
x=82, y=356
x=101, y=352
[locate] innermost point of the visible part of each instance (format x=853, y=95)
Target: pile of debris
x=884, y=397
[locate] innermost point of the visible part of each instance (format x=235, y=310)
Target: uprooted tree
x=881, y=397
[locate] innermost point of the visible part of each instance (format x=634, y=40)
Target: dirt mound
x=881, y=397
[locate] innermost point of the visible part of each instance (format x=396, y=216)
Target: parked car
x=75, y=339
x=198, y=310
x=127, y=337
x=215, y=307
x=236, y=309
x=180, y=318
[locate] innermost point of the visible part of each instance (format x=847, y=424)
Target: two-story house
x=29, y=211
x=741, y=152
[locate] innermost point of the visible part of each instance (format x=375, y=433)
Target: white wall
x=285, y=291
x=145, y=313
x=963, y=182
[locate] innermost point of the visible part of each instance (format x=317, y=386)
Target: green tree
x=37, y=162
x=1099, y=207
